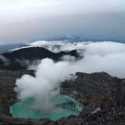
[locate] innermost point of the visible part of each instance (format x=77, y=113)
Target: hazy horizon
x=32, y=20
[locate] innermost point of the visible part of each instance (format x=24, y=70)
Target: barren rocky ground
x=102, y=95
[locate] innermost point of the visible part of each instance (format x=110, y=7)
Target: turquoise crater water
x=65, y=106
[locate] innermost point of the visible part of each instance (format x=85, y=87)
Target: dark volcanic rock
x=87, y=85
x=102, y=96
x=20, y=59
x=7, y=85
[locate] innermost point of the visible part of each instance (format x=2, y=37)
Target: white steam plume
x=98, y=57
x=45, y=85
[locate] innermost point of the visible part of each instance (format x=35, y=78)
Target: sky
x=32, y=20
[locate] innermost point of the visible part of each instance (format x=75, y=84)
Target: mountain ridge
x=14, y=59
